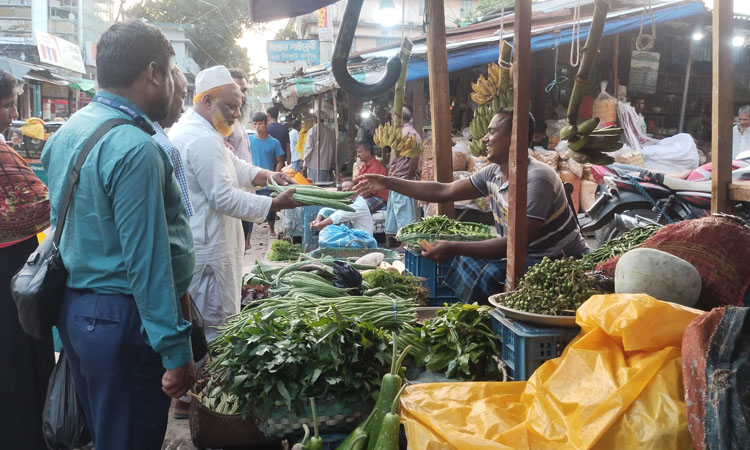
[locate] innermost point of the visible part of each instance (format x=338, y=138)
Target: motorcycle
x=630, y=197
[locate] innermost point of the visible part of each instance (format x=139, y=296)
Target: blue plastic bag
x=341, y=236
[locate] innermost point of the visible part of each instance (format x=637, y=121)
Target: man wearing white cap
x=215, y=179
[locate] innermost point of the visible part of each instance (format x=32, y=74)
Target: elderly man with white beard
x=215, y=179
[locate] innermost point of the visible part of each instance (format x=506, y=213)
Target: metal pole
x=687, y=83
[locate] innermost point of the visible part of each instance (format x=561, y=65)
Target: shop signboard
x=59, y=52
x=644, y=72
x=286, y=56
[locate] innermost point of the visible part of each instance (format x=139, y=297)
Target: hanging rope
x=562, y=78
x=575, y=36
x=645, y=42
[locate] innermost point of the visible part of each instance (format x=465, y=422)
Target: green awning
x=82, y=84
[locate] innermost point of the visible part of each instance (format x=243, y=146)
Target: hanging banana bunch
x=586, y=143
x=490, y=94
x=389, y=134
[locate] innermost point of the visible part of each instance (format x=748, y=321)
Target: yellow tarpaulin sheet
x=617, y=385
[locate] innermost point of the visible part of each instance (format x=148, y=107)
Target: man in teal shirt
x=127, y=246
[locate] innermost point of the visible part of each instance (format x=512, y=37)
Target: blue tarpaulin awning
x=485, y=54
x=483, y=50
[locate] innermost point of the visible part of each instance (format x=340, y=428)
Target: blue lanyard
x=137, y=118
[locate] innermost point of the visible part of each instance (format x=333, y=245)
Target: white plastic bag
x=672, y=154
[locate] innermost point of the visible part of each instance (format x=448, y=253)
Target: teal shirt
x=126, y=230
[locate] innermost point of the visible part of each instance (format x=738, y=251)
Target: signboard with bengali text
x=59, y=52
x=285, y=56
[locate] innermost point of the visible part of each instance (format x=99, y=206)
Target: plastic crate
x=309, y=237
x=525, y=346
x=433, y=275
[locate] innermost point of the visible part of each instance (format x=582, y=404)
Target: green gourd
x=316, y=442
x=387, y=439
x=389, y=387
x=354, y=436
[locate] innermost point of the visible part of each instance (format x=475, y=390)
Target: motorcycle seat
x=677, y=184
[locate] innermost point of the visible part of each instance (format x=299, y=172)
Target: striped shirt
x=179, y=171
x=546, y=201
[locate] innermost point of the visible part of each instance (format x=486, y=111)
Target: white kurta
x=740, y=141
x=215, y=178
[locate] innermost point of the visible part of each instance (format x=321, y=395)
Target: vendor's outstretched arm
x=427, y=191
x=490, y=249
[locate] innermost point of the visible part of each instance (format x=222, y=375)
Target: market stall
x=342, y=352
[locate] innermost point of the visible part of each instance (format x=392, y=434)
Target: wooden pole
x=685, y=87
x=353, y=108
x=336, y=137
x=721, y=106
x=519, y=154
x=616, y=64
x=440, y=102
x=419, y=103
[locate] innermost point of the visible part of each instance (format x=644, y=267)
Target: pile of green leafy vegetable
x=267, y=360
x=619, y=245
x=459, y=343
x=391, y=282
x=284, y=251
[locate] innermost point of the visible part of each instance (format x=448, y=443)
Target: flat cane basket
x=335, y=415
x=211, y=429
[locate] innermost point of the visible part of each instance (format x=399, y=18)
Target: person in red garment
x=25, y=363
x=375, y=201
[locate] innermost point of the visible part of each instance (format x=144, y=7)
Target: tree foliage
x=216, y=26
x=285, y=34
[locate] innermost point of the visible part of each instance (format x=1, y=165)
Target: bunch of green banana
x=408, y=146
x=389, y=135
x=587, y=144
x=386, y=134
x=483, y=114
x=478, y=147
x=485, y=89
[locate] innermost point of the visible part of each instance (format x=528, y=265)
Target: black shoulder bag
x=38, y=288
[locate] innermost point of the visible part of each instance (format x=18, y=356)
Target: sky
x=255, y=44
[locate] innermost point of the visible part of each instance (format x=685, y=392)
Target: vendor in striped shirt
x=478, y=270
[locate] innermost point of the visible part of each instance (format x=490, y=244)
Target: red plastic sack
x=718, y=247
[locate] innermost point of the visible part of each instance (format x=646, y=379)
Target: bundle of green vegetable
x=267, y=360
x=313, y=195
x=284, y=251
x=619, y=246
x=459, y=343
x=553, y=287
x=441, y=227
x=401, y=285
x=381, y=310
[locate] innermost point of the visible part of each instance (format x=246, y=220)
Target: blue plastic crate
x=309, y=237
x=526, y=347
x=433, y=275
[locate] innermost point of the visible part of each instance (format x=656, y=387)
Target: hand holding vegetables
x=285, y=200
x=312, y=195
